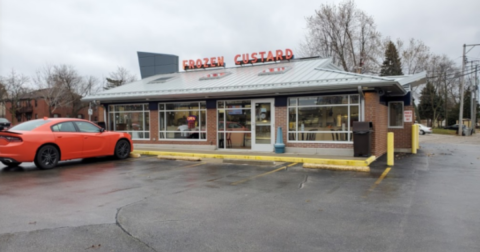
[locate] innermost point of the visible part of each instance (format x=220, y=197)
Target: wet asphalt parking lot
x=426, y=202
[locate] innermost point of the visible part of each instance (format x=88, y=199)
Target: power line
x=455, y=76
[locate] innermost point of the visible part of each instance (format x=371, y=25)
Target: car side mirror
x=102, y=130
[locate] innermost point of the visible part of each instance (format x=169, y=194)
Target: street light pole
x=460, y=114
x=474, y=110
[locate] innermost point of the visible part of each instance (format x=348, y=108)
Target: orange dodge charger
x=49, y=140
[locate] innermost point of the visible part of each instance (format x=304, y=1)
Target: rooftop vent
x=274, y=70
x=160, y=80
x=214, y=76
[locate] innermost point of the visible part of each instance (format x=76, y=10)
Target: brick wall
x=378, y=115
x=41, y=110
x=403, y=137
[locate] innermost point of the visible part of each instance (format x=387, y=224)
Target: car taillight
x=11, y=139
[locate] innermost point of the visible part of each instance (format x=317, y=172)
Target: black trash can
x=362, y=143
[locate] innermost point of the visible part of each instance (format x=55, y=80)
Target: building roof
x=299, y=76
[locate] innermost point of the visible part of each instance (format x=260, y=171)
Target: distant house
x=32, y=105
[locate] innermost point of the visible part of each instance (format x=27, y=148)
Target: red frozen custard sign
x=203, y=63
x=259, y=57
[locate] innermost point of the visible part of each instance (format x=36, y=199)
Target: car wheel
x=422, y=132
x=122, y=149
x=47, y=157
x=11, y=164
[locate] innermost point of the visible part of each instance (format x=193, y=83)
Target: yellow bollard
x=415, y=133
x=418, y=137
x=390, y=149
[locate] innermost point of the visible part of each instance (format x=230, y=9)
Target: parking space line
x=193, y=165
x=379, y=180
x=263, y=174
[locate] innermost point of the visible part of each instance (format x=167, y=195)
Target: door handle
x=59, y=136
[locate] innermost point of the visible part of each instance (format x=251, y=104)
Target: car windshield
x=30, y=125
x=4, y=120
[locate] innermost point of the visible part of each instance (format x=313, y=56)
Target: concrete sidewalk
x=309, y=161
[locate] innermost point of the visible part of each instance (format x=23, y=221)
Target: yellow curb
x=179, y=158
x=337, y=167
x=135, y=155
x=339, y=162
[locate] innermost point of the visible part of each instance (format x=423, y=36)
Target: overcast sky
x=96, y=37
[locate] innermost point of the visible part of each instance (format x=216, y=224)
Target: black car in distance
x=4, y=123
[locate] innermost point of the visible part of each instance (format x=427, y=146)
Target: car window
x=64, y=127
x=29, y=125
x=87, y=127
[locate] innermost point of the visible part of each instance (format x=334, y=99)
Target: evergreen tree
x=431, y=103
x=391, y=65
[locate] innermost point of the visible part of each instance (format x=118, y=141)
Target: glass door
x=263, y=122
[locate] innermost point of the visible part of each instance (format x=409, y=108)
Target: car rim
x=123, y=149
x=49, y=156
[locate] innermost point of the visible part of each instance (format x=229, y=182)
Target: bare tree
x=415, y=57
x=119, y=77
x=345, y=33
x=50, y=89
x=74, y=87
x=16, y=90
x=442, y=73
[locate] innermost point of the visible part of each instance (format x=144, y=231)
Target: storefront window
x=322, y=118
x=395, y=114
x=182, y=120
x=234, y=124
x=131, y=118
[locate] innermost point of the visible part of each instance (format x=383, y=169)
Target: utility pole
x=446, y=101
x=474, y=95
x=460, y=114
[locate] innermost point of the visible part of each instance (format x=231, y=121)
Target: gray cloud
x=97, y=36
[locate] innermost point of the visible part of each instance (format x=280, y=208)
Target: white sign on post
x=408, y=116
x=90, y=111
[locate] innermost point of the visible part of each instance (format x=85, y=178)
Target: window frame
x=403, y=119
x=297, y=131
x=113, y=110
x=162, y=134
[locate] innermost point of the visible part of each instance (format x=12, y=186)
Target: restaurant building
x=211, y=107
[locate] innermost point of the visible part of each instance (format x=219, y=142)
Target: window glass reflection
x=183, y=121
x=131, y=118
x=323, y=118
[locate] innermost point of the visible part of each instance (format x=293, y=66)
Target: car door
x=94, y=141
x=68, y=140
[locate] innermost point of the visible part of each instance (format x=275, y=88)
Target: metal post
x=460, y=114
x=446, y=99
x=415, y=133
x=390, y=149
x=475, y=91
